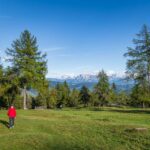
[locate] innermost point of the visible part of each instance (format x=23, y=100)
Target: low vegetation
x=68, y=129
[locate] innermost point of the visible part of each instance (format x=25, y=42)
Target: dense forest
x=27, y=71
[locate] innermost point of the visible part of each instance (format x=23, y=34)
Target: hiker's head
x=12, y=106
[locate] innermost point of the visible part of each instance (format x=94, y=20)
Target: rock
x=141, y=129
x=136, y=130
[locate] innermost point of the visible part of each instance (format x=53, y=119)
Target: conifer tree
x=74, y=98
x=29, y=63
x=138, y=63
x=114, y=88
x=102, y=89
x=84, y=95
x=52, y=100
x=1, y=80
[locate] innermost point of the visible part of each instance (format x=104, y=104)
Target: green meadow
x=70, y=129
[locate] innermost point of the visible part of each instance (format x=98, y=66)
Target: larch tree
x=74, y=98
x=29, y=63
x=84, y=95
x=1, y=77
x=102, y=88
x=138, y=63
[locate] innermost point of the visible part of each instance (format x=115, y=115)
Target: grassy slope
x=76, y=129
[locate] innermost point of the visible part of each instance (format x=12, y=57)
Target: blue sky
x=79, y=36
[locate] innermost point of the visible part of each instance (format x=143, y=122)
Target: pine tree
x=2, y=87
x=102, y=89
x=51, y=102
x=84, y=95
x=29, y=63
x=10, y=86
x=3, y=102
x=114, y=88
x=63, y=94
x=140, y=95
x=60, y=95
x=122, y=98
x=1, y=78
x=74, y=98
x=66, y=92
x=113, y=93
x=138, y=63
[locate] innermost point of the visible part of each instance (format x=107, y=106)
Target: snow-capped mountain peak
x=89, y=77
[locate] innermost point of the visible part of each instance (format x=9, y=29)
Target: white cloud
x=61, y=51
x=64, y=55
x=53, y=49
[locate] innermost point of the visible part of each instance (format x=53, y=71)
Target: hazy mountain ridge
x=90, y=80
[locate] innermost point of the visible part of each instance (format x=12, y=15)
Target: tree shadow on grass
x=138, y=111
x=5, y=123
x=119, y=110
x=131, y=111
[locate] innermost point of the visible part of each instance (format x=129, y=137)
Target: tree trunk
x=143, y=105
x=24, y=98
x=149, y=81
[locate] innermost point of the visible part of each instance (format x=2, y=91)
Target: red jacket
x=12, y=112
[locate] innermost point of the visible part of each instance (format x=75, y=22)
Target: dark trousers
x=11, y=122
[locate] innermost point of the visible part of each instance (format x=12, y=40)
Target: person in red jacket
x=12, y=115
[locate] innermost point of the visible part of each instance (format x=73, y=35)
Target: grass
x=70, y=129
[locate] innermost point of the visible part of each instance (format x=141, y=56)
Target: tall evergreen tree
x=74, y=98
x=10, y=81
x=66, y=91
x=63, y=94
x=84, y=95
x=140, y=96
x=1, y=80
x=102, y=89
x=2, y=87
x=29, y=63
x=114, y=88
x=60, y=95
x=121, y=98
x=1, y=76
x=52, y=100
x=138, y=63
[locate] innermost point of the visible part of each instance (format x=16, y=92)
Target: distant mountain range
x=90, y=80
